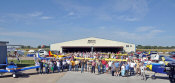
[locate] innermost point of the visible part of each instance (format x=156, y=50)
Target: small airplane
x=55, y=55
x=12, y=68
x=48, y=58
x=159, y=67
x=172, y=56
x=115, y=54
x=106, y=59
x=42, y=58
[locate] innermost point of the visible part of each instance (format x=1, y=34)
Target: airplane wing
x=115, y=59
x=3, y=71
x=28, y=68
x=2, y=64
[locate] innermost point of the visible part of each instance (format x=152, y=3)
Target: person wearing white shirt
x=132, y=66
x=58, y=65
x=142, y=69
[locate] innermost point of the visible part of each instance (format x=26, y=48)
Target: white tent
x=31, y=51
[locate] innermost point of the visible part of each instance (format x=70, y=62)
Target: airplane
x=48, y=58
x=42, y=58
x=161, y=66
x=12, y=68
x=106, y=59
x=115, y=54
x=55, y=55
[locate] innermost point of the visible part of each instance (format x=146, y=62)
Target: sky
x=44, y=22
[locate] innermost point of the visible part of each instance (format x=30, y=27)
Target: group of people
x=97, y=63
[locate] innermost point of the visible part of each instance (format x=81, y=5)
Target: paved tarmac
x=77, y=77
x=30, y=76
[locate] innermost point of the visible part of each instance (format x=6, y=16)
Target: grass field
x=23, y=63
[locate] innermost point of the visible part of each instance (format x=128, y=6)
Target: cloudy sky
x=38, y=22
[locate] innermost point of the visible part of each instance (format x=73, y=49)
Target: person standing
x=137, y=67
x=76, y=65
x=117, y=65
x=41, y=67
x=46, y=67
x=93, y=66
x=37, y=64
x=103, y=66
x=123, y=70
x=110, y=65
x=58, y=65
x=127, y=69
x=64, y=65
x=89, y=65
x=113, y=68
x=70, y=65
x=99, y=66
x=86, y=65
x=73, y=64
x=82, y=65
x=143, y=75
x=132, y=66
x=61, y=65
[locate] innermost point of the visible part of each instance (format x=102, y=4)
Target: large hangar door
x=76, y=49
x=108, y=49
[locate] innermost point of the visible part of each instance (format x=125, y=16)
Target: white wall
x=99, y=42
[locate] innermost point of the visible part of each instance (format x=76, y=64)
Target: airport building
x=3, y=52
x=93, y=45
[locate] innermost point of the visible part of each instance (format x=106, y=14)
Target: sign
x=91, y=41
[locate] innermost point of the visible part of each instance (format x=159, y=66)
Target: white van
x=43, y=53
x=154, y=56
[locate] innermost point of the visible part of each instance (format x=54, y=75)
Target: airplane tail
x=38, y=55
x=50, y=54
x=149, y=67
x=163, y=59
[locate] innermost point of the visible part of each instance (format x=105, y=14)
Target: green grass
x=24, y=63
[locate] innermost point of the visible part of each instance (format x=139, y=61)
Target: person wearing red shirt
x=103, y=66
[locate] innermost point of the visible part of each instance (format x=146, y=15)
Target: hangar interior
x=94, y=49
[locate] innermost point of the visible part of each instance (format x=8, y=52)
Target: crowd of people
x=96, y=64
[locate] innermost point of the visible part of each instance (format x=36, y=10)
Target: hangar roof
x=92, y=41
x=4, y=42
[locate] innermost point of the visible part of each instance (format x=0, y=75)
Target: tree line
x=39, y=46
x=154, y=47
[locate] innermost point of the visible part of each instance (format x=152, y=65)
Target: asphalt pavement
x=77, y=77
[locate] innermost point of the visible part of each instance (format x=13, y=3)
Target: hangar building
x=3, y=52
x=93, y=44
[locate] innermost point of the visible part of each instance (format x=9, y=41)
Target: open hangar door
x=76, y=49
x=89, y=49
x=108, y=49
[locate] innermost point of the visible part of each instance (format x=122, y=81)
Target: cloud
x=145, y=28
x=46, y=17
x=126, y=10
x=23, y=34
x=156, y=31
x=35, y=14
x=126, y=18
x=71, y=14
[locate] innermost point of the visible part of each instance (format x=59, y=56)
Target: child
x=123, y=70
x=107, y=67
